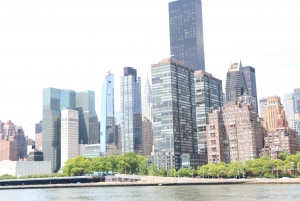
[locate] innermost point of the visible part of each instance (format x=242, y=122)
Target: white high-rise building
x=147, y=101
x=69, y=135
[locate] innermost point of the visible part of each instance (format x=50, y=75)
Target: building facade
x=147, y=101
x=186, y=33
x=288, y=104
x=234, y=134
x=262, y=106
x=131, y=111
x=147, y=136
x=174, y=115
x=69, y=135
x=88, y=119
x=54, y=100
x=297, y=100
x=107, y=133
x=208, y=94
x=250, y=79
x=296, y=124
x=235, y=82
x=274, y=109
x=281, y=138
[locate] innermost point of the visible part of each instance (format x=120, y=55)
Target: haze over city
x=72, y=44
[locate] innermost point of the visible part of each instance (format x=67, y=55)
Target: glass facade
x=131, y=111
x=297, y=101
x=53, y=101
x=88, y=119
x=186, y=33
x=262, y=106
x=107, y=133
x=288, y=102
x=174, y=115
x=235, y=82
x=209, y=95
x=250, y=79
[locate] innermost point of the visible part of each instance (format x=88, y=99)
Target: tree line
x=285, y=165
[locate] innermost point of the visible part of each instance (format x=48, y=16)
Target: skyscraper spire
x=147, y=100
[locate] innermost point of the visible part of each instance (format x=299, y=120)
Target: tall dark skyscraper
x=186, y=33
x=250, y=79
x=235, y=82
x=174, y=115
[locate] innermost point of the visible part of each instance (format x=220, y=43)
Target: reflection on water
x=160, y=193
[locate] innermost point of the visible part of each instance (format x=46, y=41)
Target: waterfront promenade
x=161, y=181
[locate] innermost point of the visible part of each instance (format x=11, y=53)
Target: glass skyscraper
x=131, y=111
x=54, y=100
x=235, y=82
x=250, y=79
x=209, y=95
x=107, y=133
x=88, y=119
x=186, y=33
x=174, y=115
x=297, y=101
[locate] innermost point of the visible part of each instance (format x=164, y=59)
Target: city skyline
x=38, y=45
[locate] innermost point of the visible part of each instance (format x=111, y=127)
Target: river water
x=287, y=192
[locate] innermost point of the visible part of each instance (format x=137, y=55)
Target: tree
x=162, y=172
x=283, y=155
x=235, y=169
x=77, y=162
x=203, y=170
x=172, y=173
x=153, y=170
x=222, y=169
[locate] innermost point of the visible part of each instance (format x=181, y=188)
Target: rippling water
x=160, y=193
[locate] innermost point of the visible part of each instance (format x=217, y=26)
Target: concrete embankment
x=161, y=181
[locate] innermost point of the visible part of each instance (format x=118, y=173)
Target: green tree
x=77, y=162
x=153, y=170
x=283, y=155
x=222, y=169
x=203, y=171
x=235, y=169
x=162, y=172
x=172, y=172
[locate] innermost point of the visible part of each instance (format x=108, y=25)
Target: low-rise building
x=24, y=168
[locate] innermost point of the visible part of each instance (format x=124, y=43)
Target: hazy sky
x=71, y=44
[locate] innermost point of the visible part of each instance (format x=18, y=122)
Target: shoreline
x=159, y=183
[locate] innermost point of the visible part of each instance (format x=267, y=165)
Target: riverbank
x=161, y=181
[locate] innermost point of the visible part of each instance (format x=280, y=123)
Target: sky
x=71, y=44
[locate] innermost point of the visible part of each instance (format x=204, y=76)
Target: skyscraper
x=131, y=111
x=107, y=133
x=297, y=100
x=69, y=135
x=209, y=94
x=235, y=82
x=54, y=100
x=88, y=119
x=174, y=115
x=250, y=79
x=262, y=106
x=147, y=101
x=288, y=104
x=186, y=33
